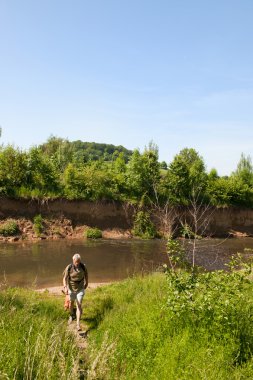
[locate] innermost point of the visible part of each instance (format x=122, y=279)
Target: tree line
x=91, y=171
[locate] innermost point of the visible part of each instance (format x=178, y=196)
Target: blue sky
x=179, y=73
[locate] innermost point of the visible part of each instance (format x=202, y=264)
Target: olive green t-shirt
x=75, y=277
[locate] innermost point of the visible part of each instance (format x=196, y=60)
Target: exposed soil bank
x=101, y=214
x=55, y=229
x=69, y=219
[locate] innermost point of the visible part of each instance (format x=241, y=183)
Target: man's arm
x=65, y=278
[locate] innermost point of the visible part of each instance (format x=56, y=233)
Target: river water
x=41, y=264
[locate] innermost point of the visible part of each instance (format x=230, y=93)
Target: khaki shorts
x=77, y=295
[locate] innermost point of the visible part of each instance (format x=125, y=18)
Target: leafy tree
x=143, y=174
x=213, y=175
x=163, y=165
x=13, y=167
x=143, y=226
x=229, y=191
x=41, y=173
x=73, y=182
x=186, y=175
x=117, y=173
x=244, y=170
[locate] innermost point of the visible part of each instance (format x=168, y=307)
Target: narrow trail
x=80, y=336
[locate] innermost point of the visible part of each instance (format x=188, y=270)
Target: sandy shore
x=57, y=290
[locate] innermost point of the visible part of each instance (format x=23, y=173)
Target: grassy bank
x=141, y=328
x=136, y=335
x=34, y=343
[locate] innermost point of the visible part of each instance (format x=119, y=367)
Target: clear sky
x=125, y=72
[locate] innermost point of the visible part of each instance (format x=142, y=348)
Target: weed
x=9, y=228
x=93, y=233
x=38, y=224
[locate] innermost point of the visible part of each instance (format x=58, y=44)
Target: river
x=41, y=264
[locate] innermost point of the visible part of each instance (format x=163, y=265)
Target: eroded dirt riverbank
x=56, y=229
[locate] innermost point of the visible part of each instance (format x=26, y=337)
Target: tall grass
x=136, y=335
x=34, y=343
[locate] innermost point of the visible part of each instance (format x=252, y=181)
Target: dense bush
x=143, y=226
x=93, y=233
x=9, y=228
x=38, y=224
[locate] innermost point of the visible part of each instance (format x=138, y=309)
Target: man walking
x=75, y=281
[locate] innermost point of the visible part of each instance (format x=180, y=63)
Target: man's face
x=76, y=262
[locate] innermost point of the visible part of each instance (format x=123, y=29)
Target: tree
x=41, y=173
x=163, y=165
x=186, y=175
x=13, y=167
x=143, y=174
x=229, y=191
x=244, y=170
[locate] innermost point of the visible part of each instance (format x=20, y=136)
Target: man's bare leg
x=71, y=311
x=79, y=311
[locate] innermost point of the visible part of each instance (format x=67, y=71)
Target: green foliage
x=224, y=191
x=9, y=228
x=163, y=165
x=215, y=302
x=78, y=152
x=143, y=226
x=141, y=336
x=91, y=171
x=143, y=174
x=38, y=225
x=186, y=176
x=41, y=173
x=176, y=255
x=93, y=233
x=13, y=166
x=34, y=342
x=244, y=170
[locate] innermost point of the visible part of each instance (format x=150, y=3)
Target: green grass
x=34, y=342
x=135, y=335
x=134, y=331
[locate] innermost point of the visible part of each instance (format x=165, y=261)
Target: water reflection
x=107, y=260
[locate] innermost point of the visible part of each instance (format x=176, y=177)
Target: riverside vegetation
x=34, y=341
x=79, y=170
x=186, y=324
x=181, y=324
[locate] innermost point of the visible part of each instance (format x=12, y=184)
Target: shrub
x=93, y=233
x=9, y=228
x=38, y=224
x=143, y=226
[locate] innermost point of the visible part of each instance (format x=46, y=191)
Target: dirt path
x=80, y=336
